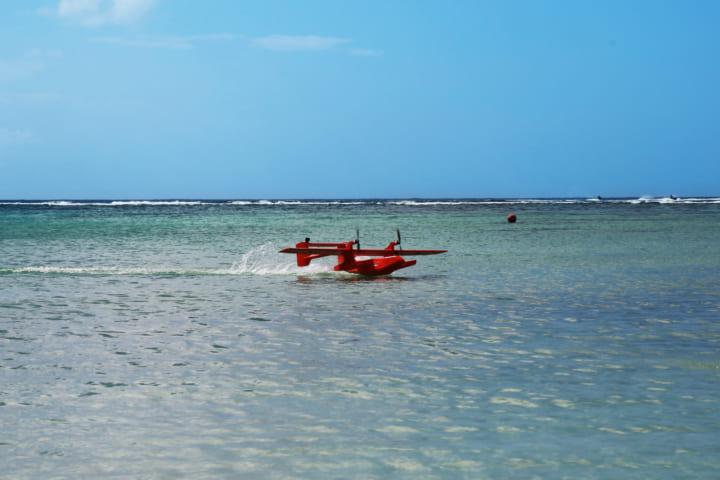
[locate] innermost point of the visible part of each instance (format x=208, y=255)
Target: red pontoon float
x=389, y=259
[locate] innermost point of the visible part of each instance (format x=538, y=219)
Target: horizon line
x=251, y=199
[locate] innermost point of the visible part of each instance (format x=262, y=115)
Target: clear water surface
x=167, y=339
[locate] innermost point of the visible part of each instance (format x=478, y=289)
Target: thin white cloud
x=95, y=13
x=28, y=98
x=298, y=43
x=277, y=43
x=71, y=8
x=12, y=70
x=10, y=136
x=165, y=41
x=43, y=54
x=32, y=62
x=127, y=11
x=364, y=52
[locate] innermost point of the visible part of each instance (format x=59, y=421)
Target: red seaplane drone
x=389, y=261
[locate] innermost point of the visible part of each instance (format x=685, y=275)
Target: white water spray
x=265, y=260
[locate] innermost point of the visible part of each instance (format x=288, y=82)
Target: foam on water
x=261, y=260
x=670, y=200
x=398, y=202
x=115, y=203
x=238, y=268
x=422, y=203
x=120, y=203
x=106, y=270
x=296, y=202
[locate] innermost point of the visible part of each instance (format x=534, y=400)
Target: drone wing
x=366, y=252
x=380, y=252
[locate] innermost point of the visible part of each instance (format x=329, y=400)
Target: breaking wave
x=422, y=203
x=114, y=203
x=296, y=202
x=674, y=200
x=381, y=202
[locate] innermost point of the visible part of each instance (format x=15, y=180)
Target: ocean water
x=166, y=339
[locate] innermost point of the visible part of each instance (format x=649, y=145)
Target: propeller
x=357, y=237
x=399, y=242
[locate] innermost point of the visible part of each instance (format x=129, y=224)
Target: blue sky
x=313, y=99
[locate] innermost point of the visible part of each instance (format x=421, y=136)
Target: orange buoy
x=511, y=218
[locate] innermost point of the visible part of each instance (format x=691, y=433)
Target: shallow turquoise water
x=152, y=341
